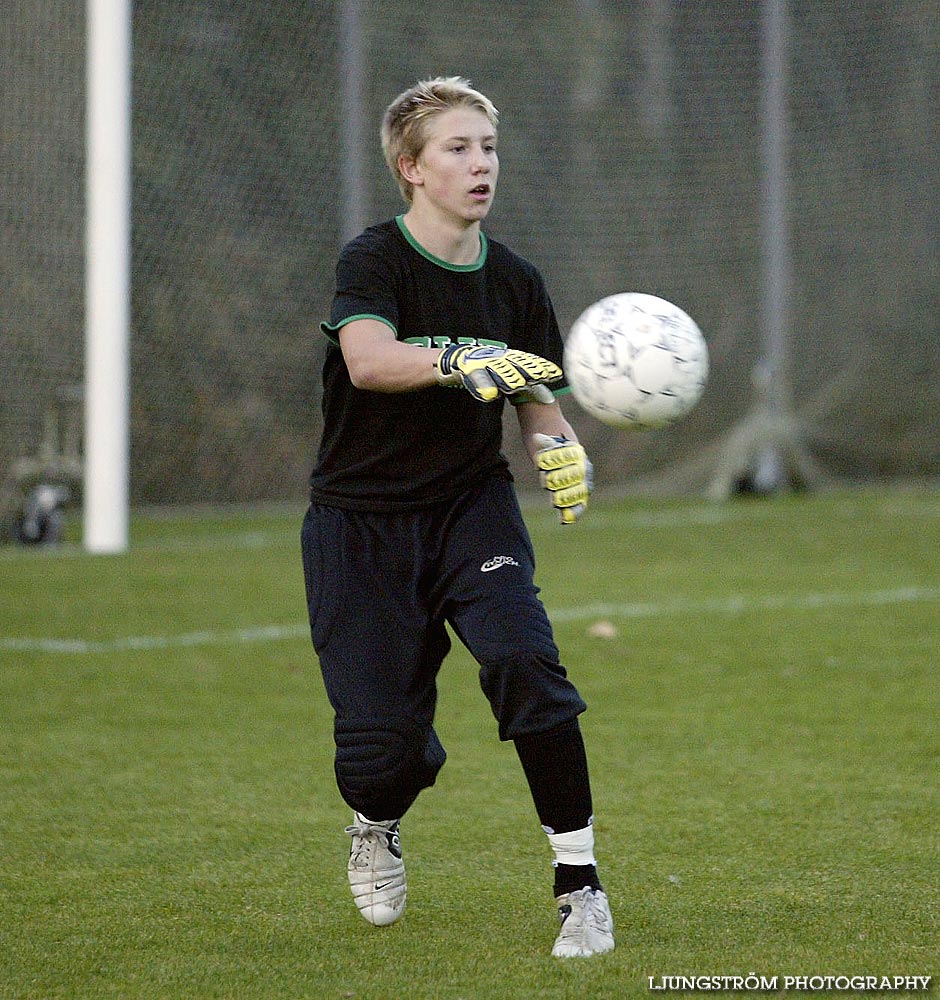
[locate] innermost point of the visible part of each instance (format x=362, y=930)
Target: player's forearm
x=378, y=363
x=537, y=418
x=395, y=368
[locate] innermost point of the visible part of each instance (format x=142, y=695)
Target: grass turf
x=763, y=734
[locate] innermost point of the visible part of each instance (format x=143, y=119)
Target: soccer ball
x=636, y=361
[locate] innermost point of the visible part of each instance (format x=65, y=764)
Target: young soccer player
x=414, y=523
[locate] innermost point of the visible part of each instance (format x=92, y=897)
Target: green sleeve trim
x=331, y=331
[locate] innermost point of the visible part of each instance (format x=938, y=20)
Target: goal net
x=631, y=161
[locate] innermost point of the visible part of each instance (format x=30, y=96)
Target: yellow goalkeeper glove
x=485, y=372
x=566, y=472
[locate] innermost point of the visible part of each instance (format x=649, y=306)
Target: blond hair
x=405, y=122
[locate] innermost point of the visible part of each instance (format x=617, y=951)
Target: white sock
x=574, y=848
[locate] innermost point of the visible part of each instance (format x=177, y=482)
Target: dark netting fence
x=631, y=149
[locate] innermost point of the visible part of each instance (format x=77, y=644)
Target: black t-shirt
x=389, y=452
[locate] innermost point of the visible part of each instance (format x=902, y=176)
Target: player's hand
x=485, y=372
x=566, y=472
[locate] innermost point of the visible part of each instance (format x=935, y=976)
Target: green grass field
x=764, y=734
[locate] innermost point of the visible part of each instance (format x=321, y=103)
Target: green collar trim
x=475, y=266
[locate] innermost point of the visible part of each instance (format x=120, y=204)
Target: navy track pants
x=380, y=588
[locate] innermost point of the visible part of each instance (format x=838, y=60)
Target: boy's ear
x=408, y=167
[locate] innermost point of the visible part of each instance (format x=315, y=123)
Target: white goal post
x=107, y=277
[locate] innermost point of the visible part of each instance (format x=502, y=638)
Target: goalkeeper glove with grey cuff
x=566, y=472
x=485, y=372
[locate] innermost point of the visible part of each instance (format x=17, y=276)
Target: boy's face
x=457, y=169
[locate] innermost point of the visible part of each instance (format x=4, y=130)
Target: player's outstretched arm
x=376, y=361
x=486, y=372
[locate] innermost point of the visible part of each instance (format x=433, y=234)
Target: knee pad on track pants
x=381, y=766
x=520, y=673
x=529, y=695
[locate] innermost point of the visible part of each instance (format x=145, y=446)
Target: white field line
x=236, y=637
x=731, y=605
x=741, y=604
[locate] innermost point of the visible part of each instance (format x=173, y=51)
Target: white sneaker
x=587, y=928
x=376, y=870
